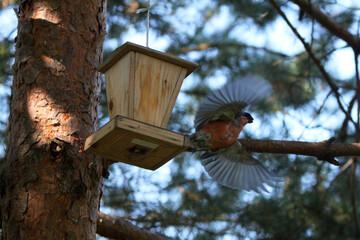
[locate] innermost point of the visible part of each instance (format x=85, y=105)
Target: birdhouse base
x=136, y=143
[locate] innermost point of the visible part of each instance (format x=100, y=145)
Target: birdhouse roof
x=129, y=46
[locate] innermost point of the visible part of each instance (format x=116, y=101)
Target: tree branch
x=117, y=228
x=329, y=24
x=206, y=46
x=322, y=150
x=316, y=61
x=325, y=151
x=317, y=113
x=343, y=130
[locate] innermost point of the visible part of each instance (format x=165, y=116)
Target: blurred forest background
x=316, y=96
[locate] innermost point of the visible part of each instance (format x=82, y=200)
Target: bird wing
x=225, y=103
x=234, y=167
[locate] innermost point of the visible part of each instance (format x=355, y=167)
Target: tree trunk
x=51, y=187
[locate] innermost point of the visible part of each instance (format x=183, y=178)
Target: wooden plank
x=171, y=156
x=173, y=98
x=164, y=135
x=118, y=143
x=128, y=46
x=154, y=84
x=99, y=134
x=131, y=97
x=117, y=87
x=136, y=143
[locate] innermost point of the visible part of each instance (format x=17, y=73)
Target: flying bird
x=218, y=123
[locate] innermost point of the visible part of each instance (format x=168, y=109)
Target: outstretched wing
x=234, y=167
x=225, y=103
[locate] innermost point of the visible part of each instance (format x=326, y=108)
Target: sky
x=341, y=66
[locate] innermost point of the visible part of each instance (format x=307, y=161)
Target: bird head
x=248, y=117
x=244, y=118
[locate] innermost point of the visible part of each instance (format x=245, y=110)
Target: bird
x=218, y=122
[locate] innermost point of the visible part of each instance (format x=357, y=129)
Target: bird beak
x=249, y=117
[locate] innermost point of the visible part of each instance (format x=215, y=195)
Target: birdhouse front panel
x=157, y=84
x=119, y=80
x=143, y=84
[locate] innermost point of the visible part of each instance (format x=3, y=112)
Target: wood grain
x=154, y=85
x=136, y=143
x=118, y=80
x=173, y=98
x=143, y=84
x=129, y=46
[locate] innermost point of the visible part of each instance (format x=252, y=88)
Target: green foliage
x=311, y=203
x=259, y=12
x=180, y=200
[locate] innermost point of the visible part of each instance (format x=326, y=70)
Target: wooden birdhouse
x=142, y=85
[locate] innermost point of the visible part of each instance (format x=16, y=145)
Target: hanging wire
x=148, y=24
x=147, y=21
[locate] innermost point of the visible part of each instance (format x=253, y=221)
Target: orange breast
x=223, y=133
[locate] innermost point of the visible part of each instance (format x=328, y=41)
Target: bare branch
x=356, y=55
x=322, y=150
x=343, y=169
x=325, y=151
x=206, y=46
x=117, y=228
x=343, y=130
x=321, y=68
x=329, y=24
x=317, y=113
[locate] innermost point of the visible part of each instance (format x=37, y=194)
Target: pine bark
x=51, y=188
x=118, y=228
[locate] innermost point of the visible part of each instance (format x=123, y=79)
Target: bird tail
x=234, y=167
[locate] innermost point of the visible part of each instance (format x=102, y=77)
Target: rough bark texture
x=322, y=150
x=325, y=151
x=117, y=228
x=51, y=187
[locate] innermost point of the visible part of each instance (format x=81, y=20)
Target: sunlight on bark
x=43, y=11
